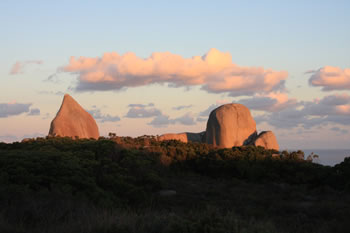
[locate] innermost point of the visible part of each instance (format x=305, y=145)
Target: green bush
x=113, y=185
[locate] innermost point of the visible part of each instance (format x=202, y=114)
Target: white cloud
x=181, y=107
x=164, y=120
x=159, y=119
x=141, y=105
x=331, y=78
x=214, y=72
x=272, y=102
x=186, y=119
x=330, y=109
x=59, y=93
x=329, y=105
x=206, y=112
x=291, y=118
x=12, y=109
x=96, y=114
x=339, y=130
x=34, y=112
x=142, y=111
x=202, y=119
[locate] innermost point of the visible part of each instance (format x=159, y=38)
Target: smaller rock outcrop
x=183, y=137
x=73, y=121
x=27, y=140
x=267, y=139
x=174, y=136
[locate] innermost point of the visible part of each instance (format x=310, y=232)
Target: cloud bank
x=96, y=114
x=142, y=111
x=214, y=72
x=181, y=107
x=272, y=102
x=330, y=109
x=13, y=109
x=34, y=112
x=164, y=120
x=331, y=78
x=159, y=119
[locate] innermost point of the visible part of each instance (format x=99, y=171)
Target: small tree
x=313, y=158
x=316, y=158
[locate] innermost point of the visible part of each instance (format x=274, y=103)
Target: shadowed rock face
x=183, y=137
x=267, y=139
x=73, y=121
x=230, y=125
x=196, y=137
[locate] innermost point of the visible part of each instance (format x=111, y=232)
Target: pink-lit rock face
x=183, y=137
x=230, y=125
x=174, y=136
x=73, y=121
x=267, y=139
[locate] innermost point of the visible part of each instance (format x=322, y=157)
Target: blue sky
x=290, y=36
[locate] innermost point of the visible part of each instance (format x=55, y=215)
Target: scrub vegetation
x=122, y=184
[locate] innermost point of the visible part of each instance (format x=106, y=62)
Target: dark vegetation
x=123, y=184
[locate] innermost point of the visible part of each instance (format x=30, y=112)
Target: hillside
x=123, y=184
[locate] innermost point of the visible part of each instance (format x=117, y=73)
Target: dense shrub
x=88, y=169
x=123, y=168
x=70, y=184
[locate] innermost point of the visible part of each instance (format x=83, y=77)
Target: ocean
x=329, y=156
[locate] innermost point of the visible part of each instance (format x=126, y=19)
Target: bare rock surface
x=183, y=137
x=267, y=139
x=173, y=136
x=230, y=125
x=73, y=121
x=26, y=140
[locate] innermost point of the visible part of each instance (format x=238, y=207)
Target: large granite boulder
x=73, y=121
x=183, y=137
x=267, y=139
x=230, y=125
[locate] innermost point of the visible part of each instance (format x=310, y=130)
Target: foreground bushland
x=122, y=184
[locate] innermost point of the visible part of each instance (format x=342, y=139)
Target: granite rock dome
x=230, y=125
x=73, y=121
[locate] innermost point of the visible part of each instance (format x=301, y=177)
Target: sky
x=155, y=67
